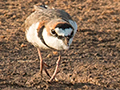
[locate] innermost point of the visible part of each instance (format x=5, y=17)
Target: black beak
x=66, y=40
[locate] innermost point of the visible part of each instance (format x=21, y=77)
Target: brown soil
x=93, y=61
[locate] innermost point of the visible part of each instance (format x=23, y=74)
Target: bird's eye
x=53, y=31
x=72, y=33
x=70, y=36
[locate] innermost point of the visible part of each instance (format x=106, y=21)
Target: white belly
x=32, y=36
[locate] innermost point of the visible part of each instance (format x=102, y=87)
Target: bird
x=49, y=28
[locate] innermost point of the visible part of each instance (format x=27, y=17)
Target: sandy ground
x=92, y=62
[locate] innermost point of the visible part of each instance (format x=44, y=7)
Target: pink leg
x=56, y=69
x=41, y=61
x=42, y=64
x=47, y=72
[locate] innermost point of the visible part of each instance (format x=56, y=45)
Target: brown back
x=42, y=14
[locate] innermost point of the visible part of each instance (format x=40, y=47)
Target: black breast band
x=42, y=39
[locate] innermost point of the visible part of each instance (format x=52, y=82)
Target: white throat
x=54, y=42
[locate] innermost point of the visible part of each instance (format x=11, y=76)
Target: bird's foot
x=56, y=69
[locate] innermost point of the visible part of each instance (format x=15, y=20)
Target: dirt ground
x=91, y=63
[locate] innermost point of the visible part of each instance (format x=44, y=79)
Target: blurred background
x=93, y=61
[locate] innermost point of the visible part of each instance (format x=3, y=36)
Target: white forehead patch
x=64, y=32
x=74, y=25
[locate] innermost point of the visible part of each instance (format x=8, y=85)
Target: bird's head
x=58, y=34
